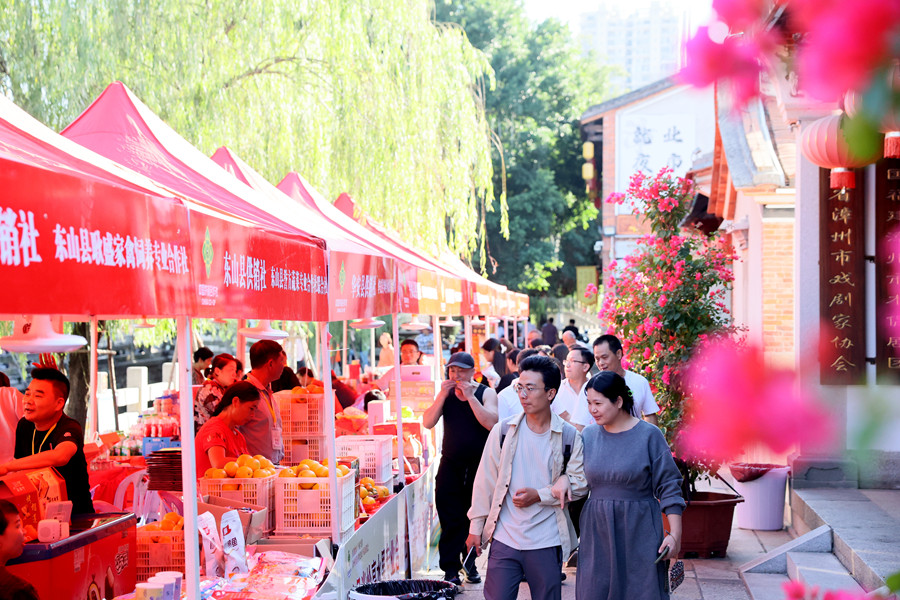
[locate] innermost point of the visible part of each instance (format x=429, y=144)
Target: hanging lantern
x=587, y=150
x=587, y=171
x=824, y=144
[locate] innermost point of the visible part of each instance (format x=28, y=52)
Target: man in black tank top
x=469, y=410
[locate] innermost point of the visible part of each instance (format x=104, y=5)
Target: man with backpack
x=512, y=505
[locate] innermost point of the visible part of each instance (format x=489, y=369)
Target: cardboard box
x=253, y=521
x=352, y=463
x=310, y=547
x=31, y=491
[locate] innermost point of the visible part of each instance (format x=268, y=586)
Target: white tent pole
x=344, y=367
x=188, y=464
x=515, y=332
x=438, y=348
x=330, y=449
x=468, y=333
x=95, y=376
x=241, y=343
x=398, y=407
x=372, y=347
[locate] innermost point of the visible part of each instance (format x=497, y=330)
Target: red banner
x=360, y=285
x=69, y=245
x=245, y=272
x=408, y=288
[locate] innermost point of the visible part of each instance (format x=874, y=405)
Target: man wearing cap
x=469, y=410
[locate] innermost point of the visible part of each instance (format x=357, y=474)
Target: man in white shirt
x=571, y=394
x=608, y=355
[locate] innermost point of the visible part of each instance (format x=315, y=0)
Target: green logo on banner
x=207, y=252
x=342, y=277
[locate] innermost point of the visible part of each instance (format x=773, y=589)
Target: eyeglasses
x=528, y=389
x=568, y=362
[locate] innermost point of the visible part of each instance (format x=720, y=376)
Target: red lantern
x=825, y=144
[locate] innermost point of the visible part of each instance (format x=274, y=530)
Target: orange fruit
x=367, y=481
x=383, y=492
x=363, y=493
x=231, y=468
x=321, y=471
x=213, y=473
x=252, y=463
x=171, y=516
x=266, y=463
x=324, y=461
x=231, y=487
x=242, y=459
x=343, y=469
x=260, y=474
x=151, y=527
x=167, y=525
x=244, y=472
x=287, y=473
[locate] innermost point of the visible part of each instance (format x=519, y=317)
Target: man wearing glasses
x=577, y=366
x=469, y=410
x=512, y=505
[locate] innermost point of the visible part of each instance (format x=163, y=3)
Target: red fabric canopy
x=271, y=271
x=421, y=283
x=80, y=235
x=361, y=279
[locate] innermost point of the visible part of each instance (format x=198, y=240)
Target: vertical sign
x=842, y=274
x=887, y=267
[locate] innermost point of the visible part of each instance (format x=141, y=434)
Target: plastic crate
x=166, y=553
x=374, y=453
x=299, y=510
x=298, y=449
x=259, y=491
x=301, y=414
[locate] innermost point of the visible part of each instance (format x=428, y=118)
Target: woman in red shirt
x=222, y=373
x=218, y=441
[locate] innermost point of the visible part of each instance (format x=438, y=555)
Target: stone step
x=765, y=586
x=822, y=570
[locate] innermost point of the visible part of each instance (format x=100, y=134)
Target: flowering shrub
x=668, y=296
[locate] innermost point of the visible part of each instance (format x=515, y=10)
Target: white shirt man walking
x=571, y=394
x=512, y=504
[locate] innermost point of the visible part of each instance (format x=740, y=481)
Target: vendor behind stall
x=12, y=541
x=409, y=355
x=219, y=441
x=46, y=437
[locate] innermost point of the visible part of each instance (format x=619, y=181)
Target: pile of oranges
x=170, y=522
x=311, y=468
x=245, y=467
x=370, y=493
x=313, y=388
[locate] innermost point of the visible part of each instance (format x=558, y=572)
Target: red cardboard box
x=31, y=491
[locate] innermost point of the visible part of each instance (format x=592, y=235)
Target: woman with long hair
x=222, y=372
x=632, y=479
x=219, y=441
x=493, y=352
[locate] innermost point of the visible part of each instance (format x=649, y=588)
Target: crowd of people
x=551, y=449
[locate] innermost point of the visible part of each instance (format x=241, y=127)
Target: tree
x=360, y=96
x=542, y=85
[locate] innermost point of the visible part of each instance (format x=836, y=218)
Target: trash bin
x=405, y=589
x=763, y=489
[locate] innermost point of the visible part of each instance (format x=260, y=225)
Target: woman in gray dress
x=632, y=479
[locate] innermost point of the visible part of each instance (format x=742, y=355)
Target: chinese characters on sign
x=842, y=288
x=887, y=267
x=112, y=250
x=18, y=238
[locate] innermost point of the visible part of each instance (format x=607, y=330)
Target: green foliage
x=543, y=84
x=364, y=96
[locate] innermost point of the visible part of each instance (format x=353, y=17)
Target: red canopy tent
x=361, y=279
x=272, y=271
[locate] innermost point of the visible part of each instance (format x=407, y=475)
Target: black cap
x=461, y=359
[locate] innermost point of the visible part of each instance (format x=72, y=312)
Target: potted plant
x=665, y=301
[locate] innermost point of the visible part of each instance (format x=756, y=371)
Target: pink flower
x=737, y=60
x=737, y=400
x=590, y=290
x=845, y=43
x=615, y=198
x=662, y=300
x=647, y=353
x=738, y=14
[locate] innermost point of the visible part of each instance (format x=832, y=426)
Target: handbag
x=676, y=575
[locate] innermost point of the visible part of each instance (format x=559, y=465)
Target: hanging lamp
x=35, y=334
x=263, y=330
x=824, y=143
x=367, y=323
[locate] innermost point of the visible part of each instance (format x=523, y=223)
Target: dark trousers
x=453, y=497
x=506, y=566
x=575, y=508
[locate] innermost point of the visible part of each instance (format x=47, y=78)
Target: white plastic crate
x=301, y=414
x=298, y=449
x=259, y=491
x=158, y=551
x=374, y=453
x=299, y=510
